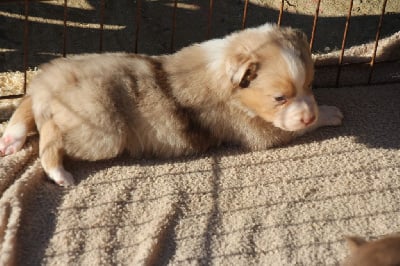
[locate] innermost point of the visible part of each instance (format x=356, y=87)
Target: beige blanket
x=286, y=206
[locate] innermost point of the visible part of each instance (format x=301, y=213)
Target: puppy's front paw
x=329, y=116
x=61, y=177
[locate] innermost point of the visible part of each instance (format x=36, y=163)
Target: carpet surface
x=290, y=205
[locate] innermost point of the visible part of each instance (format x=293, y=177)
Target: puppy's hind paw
x=329, y=116
x=10, y=145
x=61, y=177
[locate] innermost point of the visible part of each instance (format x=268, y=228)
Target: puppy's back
x=106, y=103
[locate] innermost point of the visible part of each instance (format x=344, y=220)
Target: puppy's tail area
x=21, y=123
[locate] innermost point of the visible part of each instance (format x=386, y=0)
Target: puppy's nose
x=308, y=120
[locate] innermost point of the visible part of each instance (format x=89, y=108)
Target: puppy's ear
x=355, y=242
x=242, y=70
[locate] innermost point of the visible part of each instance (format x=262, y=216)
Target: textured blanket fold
x=290, y=205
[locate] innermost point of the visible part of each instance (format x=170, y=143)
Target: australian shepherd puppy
x=251, y=88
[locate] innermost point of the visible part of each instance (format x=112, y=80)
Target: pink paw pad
x=7, y=139
x=9, y=145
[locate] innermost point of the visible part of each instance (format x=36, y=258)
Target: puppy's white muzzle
x=298, y=114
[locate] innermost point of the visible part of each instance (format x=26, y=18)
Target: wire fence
x=338, y=67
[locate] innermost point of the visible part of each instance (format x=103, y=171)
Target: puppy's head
x=383, y=252
x=271, y=71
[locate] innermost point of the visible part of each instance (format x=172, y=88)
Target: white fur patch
x=215, y=52
x=291, y=117
x=61, y=177
x=267, y=27
x=295, y=66
x=17, y=131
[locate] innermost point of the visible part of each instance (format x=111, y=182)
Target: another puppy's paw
x=61, y=177
x=10, y=145
x=329, y=116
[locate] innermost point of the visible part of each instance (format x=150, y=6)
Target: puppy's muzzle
x=302, y=112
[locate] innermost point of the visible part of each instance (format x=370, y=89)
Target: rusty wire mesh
x=339, y=66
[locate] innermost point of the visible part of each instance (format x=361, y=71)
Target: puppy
x=251, y=88
x=382, y=252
